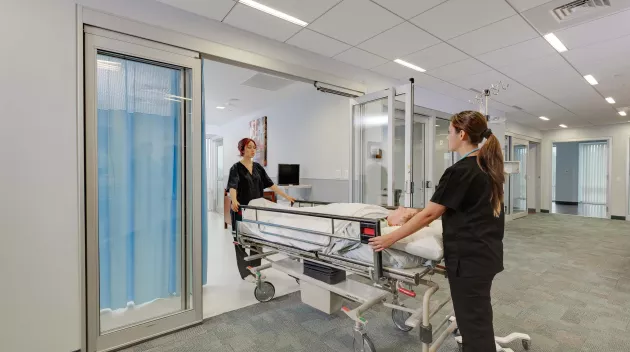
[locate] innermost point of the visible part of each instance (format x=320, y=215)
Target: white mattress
x=410, y=252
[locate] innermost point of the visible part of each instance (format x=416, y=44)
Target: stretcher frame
x=387, y=283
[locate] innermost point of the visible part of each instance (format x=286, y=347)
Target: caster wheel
x=264, y=292
x=364, y=346
x=460, y=347
x=399, y=318
x=525, y=344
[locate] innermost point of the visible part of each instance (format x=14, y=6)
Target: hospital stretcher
x=387, y=284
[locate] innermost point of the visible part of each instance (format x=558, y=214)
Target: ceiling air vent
x=267, y=82
x=578, y=8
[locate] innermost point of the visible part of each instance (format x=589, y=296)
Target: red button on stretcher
x=368, y=231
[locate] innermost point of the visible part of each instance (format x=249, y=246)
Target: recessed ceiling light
x=220, y=107
x=610, y=100
x=411, y=66
x=555, y=42
x=622, y=113
x=563, y=126
x=590, y=79
x=273, y=12
x=544, y=118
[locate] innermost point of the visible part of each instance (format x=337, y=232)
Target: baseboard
x=544, y=211
x=565, y=203
x=531, y=211
x=617, y=217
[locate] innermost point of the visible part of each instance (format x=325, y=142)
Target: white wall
x=521, y=131
x=567, y=171
x=309, y=128
x=39, y=216
x=619, y=148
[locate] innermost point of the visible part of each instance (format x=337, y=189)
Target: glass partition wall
x=396, y=158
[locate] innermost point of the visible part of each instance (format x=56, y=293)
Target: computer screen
x=288, y=174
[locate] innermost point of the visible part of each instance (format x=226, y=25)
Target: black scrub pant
x=240, y=251
x=473, y=311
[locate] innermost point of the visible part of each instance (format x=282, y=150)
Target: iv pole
x=482, y=98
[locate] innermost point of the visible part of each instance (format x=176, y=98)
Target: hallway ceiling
x=465, y=45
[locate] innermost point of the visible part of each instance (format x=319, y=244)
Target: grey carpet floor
x=566, y=284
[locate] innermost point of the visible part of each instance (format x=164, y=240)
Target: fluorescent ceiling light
x=555, y=42
x=273, y=12
x=411, y=66
x=220, y=107
x=563, y=126
x=544, y=118
x=590, y=79
x=610, y=100
x=622, y=113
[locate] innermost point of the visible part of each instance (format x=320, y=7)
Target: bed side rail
x=369, y=228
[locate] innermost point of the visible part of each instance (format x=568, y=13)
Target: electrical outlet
x=337, y=173
x=345, y=173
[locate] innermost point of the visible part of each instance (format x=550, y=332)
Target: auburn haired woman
x=247, y=181
x=469, y=198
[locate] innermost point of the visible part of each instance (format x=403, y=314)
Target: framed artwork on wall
x=258, y=132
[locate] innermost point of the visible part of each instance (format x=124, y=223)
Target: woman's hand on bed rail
x=423, y=218
x=382, y=242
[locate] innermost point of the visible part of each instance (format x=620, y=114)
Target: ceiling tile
x=346, y=23
x=542, y=64
x=509, y=31
x=306, y=11
x=459, y=69
x=397, y=71
x=399, y=41
x=318, y=43
x=600, y=30
x=523, y=5
x=481, y=81
x=252, y=20
x=408, y=8
x=457, y=17
x=216, y=9
x=610, y=54
x=435, y=56
x=517, y=53
x=360, y=58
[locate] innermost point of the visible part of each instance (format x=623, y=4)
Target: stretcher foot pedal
x=324, y=273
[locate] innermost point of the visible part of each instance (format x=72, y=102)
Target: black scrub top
x=248, y=185
x=473, y=236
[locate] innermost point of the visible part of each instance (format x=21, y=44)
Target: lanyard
x=472, y=151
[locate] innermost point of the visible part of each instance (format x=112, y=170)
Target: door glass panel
x=399, y=150
x=140, y=190
x=419, y=170
x=519, y=181
x=370, y=122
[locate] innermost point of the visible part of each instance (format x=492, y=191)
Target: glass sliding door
x=518, y=182
x=143, y=189
x=593, y=178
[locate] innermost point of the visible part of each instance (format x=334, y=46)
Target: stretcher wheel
x=399, y=318
x=525, y=344
x=363, y=346
x=264, y=292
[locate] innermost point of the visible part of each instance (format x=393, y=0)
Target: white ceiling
x=223, y=86
x=464, y=44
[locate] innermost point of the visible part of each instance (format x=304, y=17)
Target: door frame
x=511, y=215
x=98, y=39
x=609, y=140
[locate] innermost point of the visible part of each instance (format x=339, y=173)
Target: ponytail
x=490, y=157
x=490, y=160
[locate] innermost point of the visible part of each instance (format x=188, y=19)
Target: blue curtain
x=139, y=181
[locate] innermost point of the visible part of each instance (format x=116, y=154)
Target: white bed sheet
x=410, y=252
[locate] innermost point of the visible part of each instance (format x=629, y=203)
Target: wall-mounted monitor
x=288, y=174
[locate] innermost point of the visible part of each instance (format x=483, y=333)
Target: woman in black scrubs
x=247, y=181
x=469, y=198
